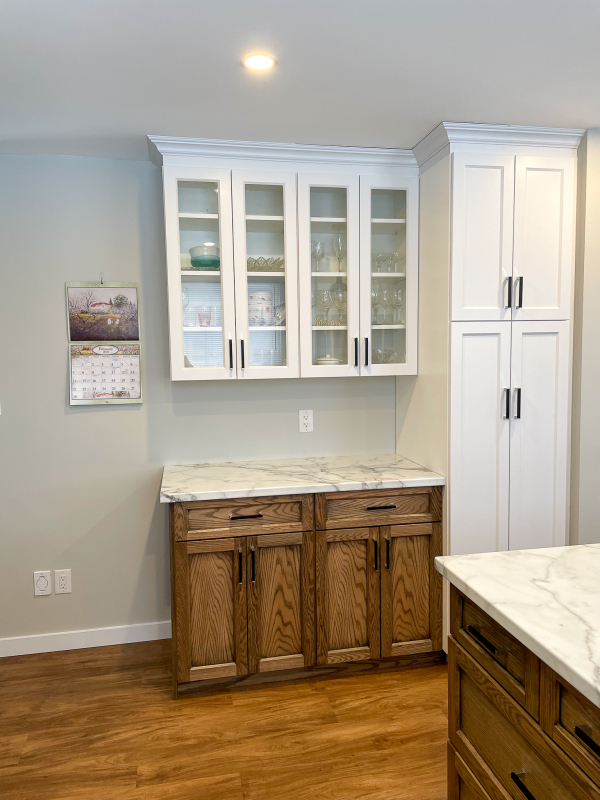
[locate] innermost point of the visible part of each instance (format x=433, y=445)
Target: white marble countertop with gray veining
x=182, y=483
x=549, y=599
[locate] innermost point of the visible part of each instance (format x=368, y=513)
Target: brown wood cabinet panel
x=378, y=507
x=462, y=784
x=281, y=625
x=210, y=602
x=508, y=661
x=501, y=744
x=244, y=517
x=348, y=596
x=571, y=720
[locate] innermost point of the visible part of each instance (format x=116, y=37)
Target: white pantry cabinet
x=289, y=261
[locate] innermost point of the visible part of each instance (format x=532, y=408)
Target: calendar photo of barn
x=103, y=313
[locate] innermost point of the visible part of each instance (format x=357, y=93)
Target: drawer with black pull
x=515, y=667
x=378, y=507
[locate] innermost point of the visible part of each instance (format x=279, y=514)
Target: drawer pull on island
x=585, y=737
x=482, y=640
x=253, y=560
x=387, y=553
x=525, y=791
x=246, y=516
x=240, y=566
x=380, y=508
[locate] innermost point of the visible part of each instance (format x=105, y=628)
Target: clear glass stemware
x=340, y=250
x=325, y=301
x=374, y=304
x=318, y=252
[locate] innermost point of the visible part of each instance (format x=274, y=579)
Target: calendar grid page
x=105, y=373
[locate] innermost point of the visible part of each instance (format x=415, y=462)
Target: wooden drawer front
x=515, y=667
x=462, y=784
x=375, y=508
x=572, y=721
x=504, y=748
x=243, y=517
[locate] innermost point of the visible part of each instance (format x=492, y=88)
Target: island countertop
x=187, y=482
x=549, y=599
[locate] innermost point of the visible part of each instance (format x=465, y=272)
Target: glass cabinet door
x=266, y=276
x=200, y=273
x=329, y=274
x=388, y=276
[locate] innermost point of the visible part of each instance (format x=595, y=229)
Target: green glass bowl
x=206, y=262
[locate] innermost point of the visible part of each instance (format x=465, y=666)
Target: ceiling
x=92, y=77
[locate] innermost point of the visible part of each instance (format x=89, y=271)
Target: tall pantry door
x=539, y=435
x=479, y=436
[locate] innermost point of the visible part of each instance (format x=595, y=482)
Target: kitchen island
x=524, y=674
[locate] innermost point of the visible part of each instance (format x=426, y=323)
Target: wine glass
x=325, y=301
x=338, y=295
x=374, y=304
x=402, y=307
x=385, y=300
x=340, y=250
x=397, y=298
x=318, y=251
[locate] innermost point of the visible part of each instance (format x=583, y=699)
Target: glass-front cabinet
x=287, y=274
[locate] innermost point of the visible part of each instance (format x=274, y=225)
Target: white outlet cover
x=42, y=583
x=62, y=581
x=305, y=421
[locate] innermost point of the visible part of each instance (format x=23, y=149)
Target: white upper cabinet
x=482, y=236
x=539, y=434
x=328, y=257
x=388, y=275
x=543, y=238
x=199, y=243
x=266, y=274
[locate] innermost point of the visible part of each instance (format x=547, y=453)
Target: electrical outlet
x=62, y=581
x=306, y=421
x=42, y=583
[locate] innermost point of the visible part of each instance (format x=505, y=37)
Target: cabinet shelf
x=328, y=219
x=388, y=274
x=197, y=328
x=329, y=274
x=202, y=272
x=266, y=274
x=385, y=221
x=190, y=215
x=330, y=327
x=388, y=327
x=266, y=327
x=263, y=218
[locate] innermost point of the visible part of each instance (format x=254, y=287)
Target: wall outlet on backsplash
x=306, y=421
x=62, y=581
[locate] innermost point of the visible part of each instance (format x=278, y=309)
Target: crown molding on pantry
x=163, y=147
x=448, y=133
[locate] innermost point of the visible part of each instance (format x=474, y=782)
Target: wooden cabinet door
x=281, y=602
x=539, y=435
x=479, y=436
x=482, y=236
x=411, y=589
x=347, y=569
x=210, y=609
x=543, y=239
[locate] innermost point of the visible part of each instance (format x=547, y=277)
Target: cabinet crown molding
x=449, y=133
x=163, y=147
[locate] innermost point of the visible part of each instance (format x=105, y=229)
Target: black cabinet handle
x=240, y=566
x=525, y=791
x=387, y=553
x=379, y=508
x=356, y=352
x=519, y=304
x=231, y=354
x=366, y=351
x=482, y=640
x=245, y=516
x=506, y=413
x=509, y=283
x=587, y=740
x=253, y=560
x=375, y=564
x=518, y=404
x=242, y=354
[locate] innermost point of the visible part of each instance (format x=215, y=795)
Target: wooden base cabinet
x=254, y=593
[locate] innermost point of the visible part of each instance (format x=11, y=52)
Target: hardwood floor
x=101, y=725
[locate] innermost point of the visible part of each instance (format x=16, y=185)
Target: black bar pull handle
x=516, y=777
x=246, y=516
x=517, y=404
x=356, y=357
x=253, y=562
x=240, y=566
x=366, y=351
x=380, y=508
x=509, y=294
x=375, y=564
x=482, y=640
x=519, y=303
x=585, y=737
x=243, y=355
x=506, y=411
x=387, y=553
x=231, y=354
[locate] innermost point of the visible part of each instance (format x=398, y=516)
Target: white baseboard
x=76, y=640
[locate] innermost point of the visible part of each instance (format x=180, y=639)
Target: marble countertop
x=182, y=483
x=549, y=599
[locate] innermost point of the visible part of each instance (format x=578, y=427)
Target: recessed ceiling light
x=259, y=61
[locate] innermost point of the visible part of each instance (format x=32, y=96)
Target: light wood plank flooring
x=101, y=725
